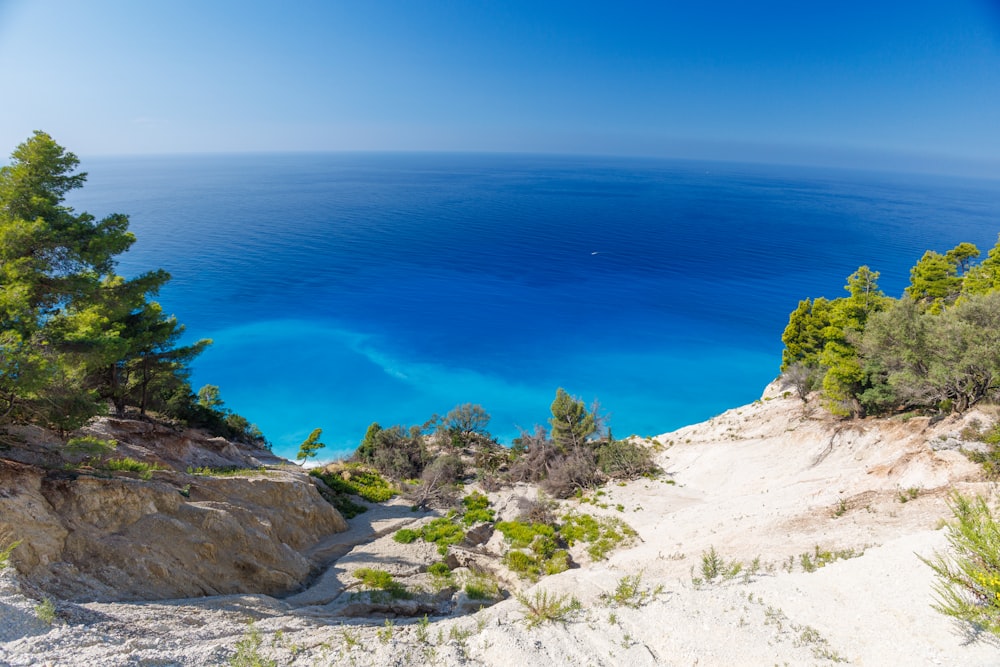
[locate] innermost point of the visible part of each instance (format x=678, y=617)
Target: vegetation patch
x=477, y=509
x=442, y=531
x=968, y=577
x=520, y=535
x=543, y=607
x=380, y=581
x=630, y=592
x=90, y=445
x=248, y=651
x=601, y=535
x=822, y=557
x=145, y=470
x=356, y=479
x=226, y=471
x=6, y=551
x=481, y=586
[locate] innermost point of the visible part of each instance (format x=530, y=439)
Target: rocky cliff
x=91, y=534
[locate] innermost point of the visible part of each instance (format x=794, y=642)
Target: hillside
x=767, y=482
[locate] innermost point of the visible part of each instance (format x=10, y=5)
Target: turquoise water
x=344, y=289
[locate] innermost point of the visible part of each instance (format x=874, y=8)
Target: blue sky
x=868, y=83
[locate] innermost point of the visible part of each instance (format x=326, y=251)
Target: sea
x=344, y=289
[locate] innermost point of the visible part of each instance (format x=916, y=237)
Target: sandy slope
x=769, y=481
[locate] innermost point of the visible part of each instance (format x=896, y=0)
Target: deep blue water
x=343, y=289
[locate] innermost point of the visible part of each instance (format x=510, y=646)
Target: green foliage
x=804, y=336
x=934, y=280
x=630, y=593
x=572, y=424
x=521, y=535
x=248, y=651
x=542, y=607
x=481, y=586
x=923, y=359
x=226, y=471
x=74, y=336
x=358, y=480
x=938, y=348
x=90, y=445
x=127, y=464
x=602, y=535
x=968, y=578
x=5, y=553
x=405, y=536
x=525, y=564
x=310, y=446
x=712, y=564
x=45, y=611
x=443, y=532
x=477, y=509
x=386, y=632
x=394, y=452
x=381, y=581
x=439, y=569
x=466, y=420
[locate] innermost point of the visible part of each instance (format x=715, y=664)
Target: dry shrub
x=624, y=459
x=437, y=483
x=576, y=470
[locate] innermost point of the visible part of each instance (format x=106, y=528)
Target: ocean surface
x=344, y=289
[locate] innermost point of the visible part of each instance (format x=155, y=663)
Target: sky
x=862, y=83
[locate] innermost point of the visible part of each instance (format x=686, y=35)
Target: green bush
x=601, y=535
x=521, y=535
x=5, y=553
x=381, y=581
x=439, y=569
x=356, y=480
x=405, y=536
x=968, y=578
x=477, y=509
x=443, y=531
x=126, y=464
x=482, y=587
x=542, y=607
x=524, y=564
x=90, y=445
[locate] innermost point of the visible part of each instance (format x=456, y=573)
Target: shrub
x=126, y=464
x=443, y=532
x=482, y=587
x=521, y=535
x=477, y=509
x=601, y=535
x=378, y=580
x=625, y=459
x=968, y=579
x=439, y=569
x=90, y=445
x=5, y=553
x=524, y=564
x=45, y=611
x=437, y=482
x=405, y=536
x=572, y=471
x=543, y=607
x=394, y=452
x=357, y=480
x=248, y=651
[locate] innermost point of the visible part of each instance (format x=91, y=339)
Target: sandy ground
x=767, y=482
